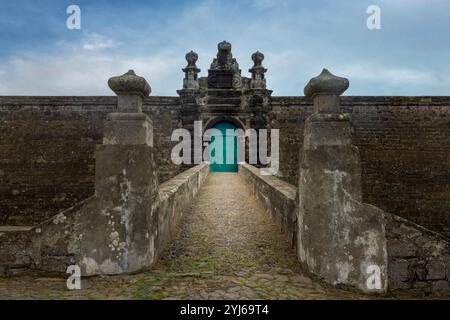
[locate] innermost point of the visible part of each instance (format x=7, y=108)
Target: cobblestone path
x=227, y=247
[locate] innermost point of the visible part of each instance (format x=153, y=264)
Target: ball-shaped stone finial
x=129, y=83
x=326, y=84
x=257, y=58
x=224, y=45
x=191, y=58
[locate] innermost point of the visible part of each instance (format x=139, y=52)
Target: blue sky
x=409, y=56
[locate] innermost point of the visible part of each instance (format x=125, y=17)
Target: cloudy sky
x=410, y=55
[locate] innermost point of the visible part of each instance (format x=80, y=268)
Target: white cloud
x=384, y=80
x=83, y=73
x=397, y=76
x=95, y=41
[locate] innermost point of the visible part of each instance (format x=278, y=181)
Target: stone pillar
x=257, y=97
x=118, y=227
x=340, y=239
x=193, y=102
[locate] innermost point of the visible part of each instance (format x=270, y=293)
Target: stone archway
x=211, y=122
x=224, y=156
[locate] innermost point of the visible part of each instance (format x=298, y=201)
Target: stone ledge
x=14, y=228
x=175, y=198
x=68, y=102
x=173, y=184
x=346, y=101
x=287, y=189
x=278, y=198
x=368, y=101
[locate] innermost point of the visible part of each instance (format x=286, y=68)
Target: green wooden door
x=228, y=150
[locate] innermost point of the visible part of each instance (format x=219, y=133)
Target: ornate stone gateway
x=225, y=95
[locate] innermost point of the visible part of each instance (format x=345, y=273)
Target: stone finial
x=224, y=58
x=326, y=84
x=128, y=125
x=224, y=55
x=131, y=91
x=191, y=58
x=258, y=80
x=325, y=90
x=224, y=45
x=257, y=58
x=129, y=84
x=190, y=80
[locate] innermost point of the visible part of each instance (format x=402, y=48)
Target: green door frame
x=229, y=144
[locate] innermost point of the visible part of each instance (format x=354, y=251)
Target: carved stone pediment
x=224, y=72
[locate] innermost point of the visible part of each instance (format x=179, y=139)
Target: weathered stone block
x=440, y=288
x=57, y=264
x=425, y=251
x=401, y=249
x=435, y=270
x=128, y=129
x=333, y=172
x=326, y=104
x=129, y=103
x=56, y=242
x=327, y=130
x=447, y=266
x=398, y=272
x=3, y=271
x=15, y=248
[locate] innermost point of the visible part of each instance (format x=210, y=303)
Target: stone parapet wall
x=418, y=258
x=175, y=197
x=55, y=244
x=278, y=198
x=48, y=244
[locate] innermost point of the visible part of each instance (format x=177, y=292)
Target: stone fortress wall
x=47, y=151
